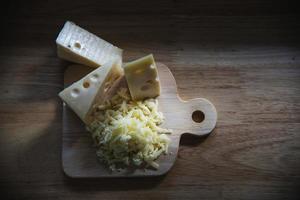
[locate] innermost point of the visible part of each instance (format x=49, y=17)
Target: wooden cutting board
x=196, y=116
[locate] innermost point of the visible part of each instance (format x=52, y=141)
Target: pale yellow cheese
x=80, y=46
x=82, y=95
x=142, y=78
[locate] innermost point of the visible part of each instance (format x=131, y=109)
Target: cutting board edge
x=71, y=174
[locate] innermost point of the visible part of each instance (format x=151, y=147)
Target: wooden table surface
x=244, y=56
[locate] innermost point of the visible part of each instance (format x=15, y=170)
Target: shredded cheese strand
x=127, y=132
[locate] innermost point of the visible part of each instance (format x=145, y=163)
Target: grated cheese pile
x=127, y=132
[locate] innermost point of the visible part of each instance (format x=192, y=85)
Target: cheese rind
x=80, y=46
x=82, y=95
x=142, y=78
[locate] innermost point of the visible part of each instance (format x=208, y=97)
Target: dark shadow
x=191, y=140
x=112, y=184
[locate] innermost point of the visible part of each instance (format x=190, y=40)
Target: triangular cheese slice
x=82, y=95
x=80, y=46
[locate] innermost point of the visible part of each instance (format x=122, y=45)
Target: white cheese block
x=142, y=78
x=80, y=46
x=82, y=95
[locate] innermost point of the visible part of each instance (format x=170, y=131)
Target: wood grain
x=243, y=57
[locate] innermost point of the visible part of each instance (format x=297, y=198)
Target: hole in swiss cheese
x=86, y=84
x=77, y=45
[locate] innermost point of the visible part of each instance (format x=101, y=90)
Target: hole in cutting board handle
x=198, y=116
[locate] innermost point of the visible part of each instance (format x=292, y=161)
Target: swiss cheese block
x=142, y=78
x=82, y=95
x=80, y=46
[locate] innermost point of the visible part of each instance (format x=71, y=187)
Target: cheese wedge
x=82, y=95
x=142, y=78
x=80, y=46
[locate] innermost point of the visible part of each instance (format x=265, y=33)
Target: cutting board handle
x=202, y=116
